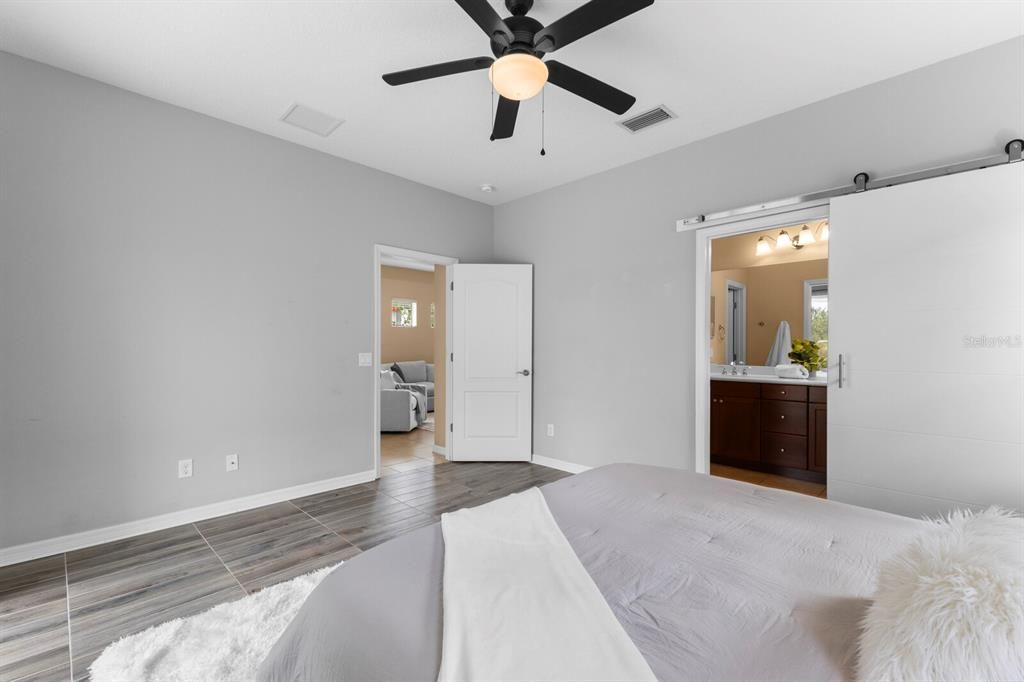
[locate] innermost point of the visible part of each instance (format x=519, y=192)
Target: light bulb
x=783, y=240
x=763, y=247
x=805, y=237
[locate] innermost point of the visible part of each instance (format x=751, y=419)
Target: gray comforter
x=713, y=579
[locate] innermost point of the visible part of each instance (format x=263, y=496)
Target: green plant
x=808, y=353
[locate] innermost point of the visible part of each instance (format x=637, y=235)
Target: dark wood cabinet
x=735, y=428
x=784, y=450
x=817, y=437
x=780, y=416
x=780, y=428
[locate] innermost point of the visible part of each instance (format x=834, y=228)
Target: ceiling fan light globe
x=518, y=76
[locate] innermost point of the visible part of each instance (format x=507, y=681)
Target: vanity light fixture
x=804, y=237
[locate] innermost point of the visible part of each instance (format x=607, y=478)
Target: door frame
x=737, y=327
x=725, y=227
x=384, y=254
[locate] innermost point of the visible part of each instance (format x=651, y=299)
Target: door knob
x=524, y=372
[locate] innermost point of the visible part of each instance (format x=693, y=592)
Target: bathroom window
x=403, y=312
x=816, y=310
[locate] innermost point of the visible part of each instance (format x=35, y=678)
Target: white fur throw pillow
x=951, y=605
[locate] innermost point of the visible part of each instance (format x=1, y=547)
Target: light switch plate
x=184, y=468
x=231, y=462
x=551, y=430
x=366, y=359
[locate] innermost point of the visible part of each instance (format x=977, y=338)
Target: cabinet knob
x=783, y=393
x=782, y=417
x=782, y=449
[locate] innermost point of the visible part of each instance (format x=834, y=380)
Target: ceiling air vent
x=647, y=119
x=312, y=120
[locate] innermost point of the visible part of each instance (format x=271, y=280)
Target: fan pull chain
x=542, y=108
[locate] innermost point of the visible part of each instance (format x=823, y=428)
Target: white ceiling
x=717, y=64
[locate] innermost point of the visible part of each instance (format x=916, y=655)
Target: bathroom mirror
x=761, y=299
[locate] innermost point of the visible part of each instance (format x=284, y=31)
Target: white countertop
x=763, y=375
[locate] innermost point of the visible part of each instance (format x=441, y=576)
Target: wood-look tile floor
x=58, y=613
x=770, y=480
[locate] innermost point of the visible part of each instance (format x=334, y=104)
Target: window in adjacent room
x=403, y=312
x=816, y=310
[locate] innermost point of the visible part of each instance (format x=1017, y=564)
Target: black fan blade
x=486, y=18
x=587, y=87
x=584, y=20
x=505, y=118
x=437, y=70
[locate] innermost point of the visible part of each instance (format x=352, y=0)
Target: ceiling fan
x=519, y=42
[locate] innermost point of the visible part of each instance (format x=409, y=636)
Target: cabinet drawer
x=734, y=389
x=782, y=416
x=784, y=392
x=819, y=394
x=784, y=450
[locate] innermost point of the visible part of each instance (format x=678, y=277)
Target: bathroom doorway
x=767, y=293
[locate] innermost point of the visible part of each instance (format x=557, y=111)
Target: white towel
x=779, y=354
x=519, y=605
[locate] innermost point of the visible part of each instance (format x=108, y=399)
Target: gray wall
x=173, y=286
x=614, y=283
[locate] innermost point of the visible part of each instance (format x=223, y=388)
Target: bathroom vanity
x=769, y=424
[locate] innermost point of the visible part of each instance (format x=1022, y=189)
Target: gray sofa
x=417, y=373
x=402, y=407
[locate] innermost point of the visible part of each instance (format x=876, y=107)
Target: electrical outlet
x=184, y=468
x=366, y=359
x=551, y=430
x=231, y=462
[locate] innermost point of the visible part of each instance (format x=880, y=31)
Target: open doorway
x=768, y=344
x=411, y=330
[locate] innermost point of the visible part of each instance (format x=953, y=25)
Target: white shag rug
x=951, y=605
x=226, y=643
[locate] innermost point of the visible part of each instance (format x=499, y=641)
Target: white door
x=926, y=288
x=491, y=363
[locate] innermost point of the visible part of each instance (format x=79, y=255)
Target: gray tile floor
x=58, y=613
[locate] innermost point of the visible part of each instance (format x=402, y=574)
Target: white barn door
x=491, y=363
x=926, y=289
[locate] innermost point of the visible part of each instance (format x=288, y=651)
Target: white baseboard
x=559, y=464
x=88, y=538
x=440, y=450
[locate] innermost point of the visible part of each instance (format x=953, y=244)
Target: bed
x=710, y=578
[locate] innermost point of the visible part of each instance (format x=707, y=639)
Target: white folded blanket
x=519, y=605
